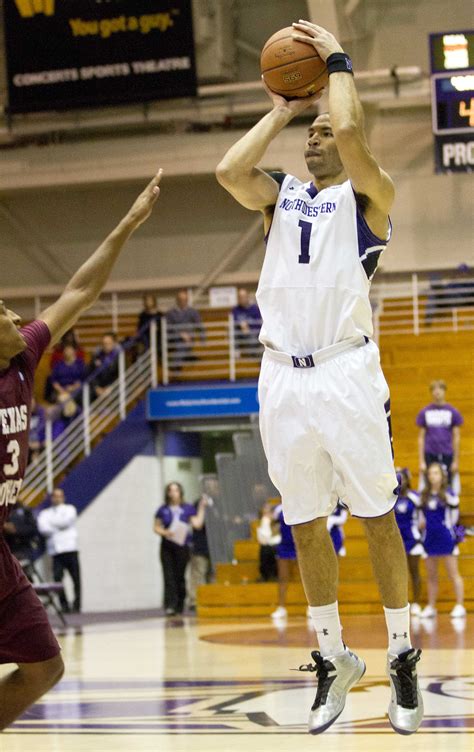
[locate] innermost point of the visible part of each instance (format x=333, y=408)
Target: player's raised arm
x=347, y=120
x=87, y=283
x=238, y=172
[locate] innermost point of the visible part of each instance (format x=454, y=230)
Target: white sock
x=328, y=628
x=398, y=626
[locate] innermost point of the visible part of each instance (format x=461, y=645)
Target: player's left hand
x=454, y=466
x=143, y=206
x=322, y=40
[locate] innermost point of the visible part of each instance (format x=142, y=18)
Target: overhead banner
x=64, y=54
x=173, y=402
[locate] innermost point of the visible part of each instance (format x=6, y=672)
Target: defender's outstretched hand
x=142, y=208
x=322, y=40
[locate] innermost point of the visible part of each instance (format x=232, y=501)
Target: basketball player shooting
x=324, y=402
x=26, y=638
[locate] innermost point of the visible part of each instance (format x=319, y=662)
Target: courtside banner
x=172, y=402
x=63, y=54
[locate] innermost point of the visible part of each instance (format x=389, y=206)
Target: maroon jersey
x=16, y=391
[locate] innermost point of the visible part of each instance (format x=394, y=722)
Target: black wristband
x=339, y=62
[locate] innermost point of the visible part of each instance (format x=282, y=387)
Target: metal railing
x=94, y=418
x=219, y=350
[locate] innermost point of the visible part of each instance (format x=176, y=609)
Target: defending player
x=25, y=635
x=324, y=402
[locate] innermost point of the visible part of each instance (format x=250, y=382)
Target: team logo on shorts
x=305, y=361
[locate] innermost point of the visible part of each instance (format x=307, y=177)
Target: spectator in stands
x=248, y=321
x=440, y=510
x=439, y=436
x=37, y=430
x=407, y=515
x=68, y=374
x=66, y=378
x=58, y=525
x=174, y=522
x=200, y=568
x=268, y=536
x=150, y=313
x=184, y=325
x=68, y=338
x=21, y=532
x=105, y=359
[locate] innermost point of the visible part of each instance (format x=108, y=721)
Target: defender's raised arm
x=87, y=283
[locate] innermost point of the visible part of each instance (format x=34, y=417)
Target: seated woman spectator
x=37, y=430
x=268, y=536
x=407, y=515
x=440, y=510
x=68, y=375
x=174, y=522
x=105, y=358
x=68, y=338
x=150, y=313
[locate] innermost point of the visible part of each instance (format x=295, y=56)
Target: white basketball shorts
x=326, y=434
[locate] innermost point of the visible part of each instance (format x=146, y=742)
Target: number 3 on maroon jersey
x=13, y=449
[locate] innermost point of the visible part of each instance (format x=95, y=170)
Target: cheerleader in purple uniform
x=440, y=509
x=286, y=554
x=407, y=515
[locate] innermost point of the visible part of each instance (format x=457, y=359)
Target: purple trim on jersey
x=312, y=191
x=388, y=415
x=369, y=243
x=337, y=537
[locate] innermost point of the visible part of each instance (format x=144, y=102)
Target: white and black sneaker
x=336, y=676
x=405, y=711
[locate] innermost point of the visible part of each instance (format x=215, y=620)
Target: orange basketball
x=292, y=68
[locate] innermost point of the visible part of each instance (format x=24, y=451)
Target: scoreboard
x=452, y=100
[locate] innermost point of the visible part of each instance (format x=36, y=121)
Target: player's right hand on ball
x=294, y=106
x=142, y=207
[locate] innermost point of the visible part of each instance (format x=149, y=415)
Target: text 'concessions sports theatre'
x=63, y=54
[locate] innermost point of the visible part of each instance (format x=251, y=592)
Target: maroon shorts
x=25, y=633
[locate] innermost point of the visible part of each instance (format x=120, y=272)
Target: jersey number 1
x=306, y=227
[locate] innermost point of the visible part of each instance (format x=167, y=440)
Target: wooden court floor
x=179, y=684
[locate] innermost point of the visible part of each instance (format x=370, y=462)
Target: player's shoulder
x=37, y=337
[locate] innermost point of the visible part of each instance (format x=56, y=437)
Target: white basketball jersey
x=320, y=259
